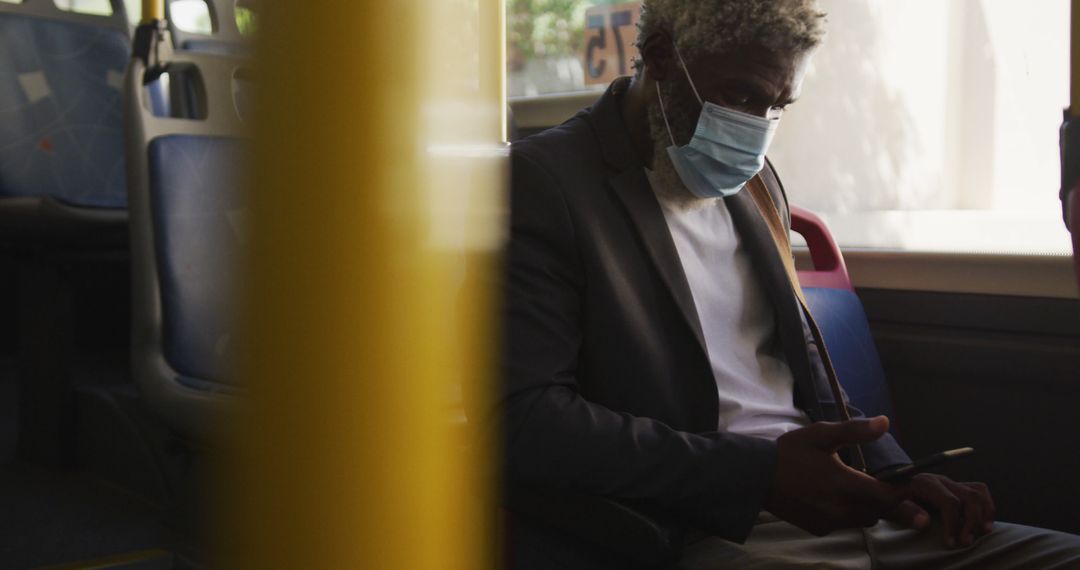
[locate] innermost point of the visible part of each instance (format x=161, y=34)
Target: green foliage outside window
x=245, y=21
x=546, y=28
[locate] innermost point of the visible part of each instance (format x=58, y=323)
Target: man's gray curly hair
x=717, y=26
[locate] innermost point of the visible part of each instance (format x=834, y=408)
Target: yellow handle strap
x=779, y=232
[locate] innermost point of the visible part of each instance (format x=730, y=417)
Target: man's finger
x=834, y=435
x=989, y=510
x=910, y=514
x=973, y=512
x=947, y=504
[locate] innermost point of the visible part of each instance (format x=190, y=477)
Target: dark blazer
x=607, y=389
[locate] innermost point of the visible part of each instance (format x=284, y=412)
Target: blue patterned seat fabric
x=215, y=47
x=61, y=126
x=842, y=320
x=199, y=230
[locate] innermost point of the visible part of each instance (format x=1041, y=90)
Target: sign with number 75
x=610, y=32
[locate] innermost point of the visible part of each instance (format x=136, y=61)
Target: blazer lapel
x=770, y=269
x=632, y=188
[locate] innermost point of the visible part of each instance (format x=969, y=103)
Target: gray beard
x=668, y=187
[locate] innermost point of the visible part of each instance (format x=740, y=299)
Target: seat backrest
x=61, y=126
x=187, y=220
x=841, y=317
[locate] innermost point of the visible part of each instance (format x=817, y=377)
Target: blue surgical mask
x=727, y=149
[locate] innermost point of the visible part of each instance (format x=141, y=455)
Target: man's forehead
x=755, y=64
x=752, y=60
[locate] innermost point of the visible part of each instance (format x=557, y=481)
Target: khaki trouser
x=777, y=544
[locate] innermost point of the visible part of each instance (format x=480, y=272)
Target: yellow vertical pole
x=493, y=73
x=375, y=203
x=500, y=24
x=1075, y=63
x=153, y=10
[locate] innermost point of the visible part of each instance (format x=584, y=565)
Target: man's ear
x=658, y=56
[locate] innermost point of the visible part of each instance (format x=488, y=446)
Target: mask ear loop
x=663, y=113
x=687, y=72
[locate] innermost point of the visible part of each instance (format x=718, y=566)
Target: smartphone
x=904, y=472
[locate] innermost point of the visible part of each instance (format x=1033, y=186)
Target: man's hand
x=815, y=491
x=966, y=509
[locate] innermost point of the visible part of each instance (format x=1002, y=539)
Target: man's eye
x=737, y=99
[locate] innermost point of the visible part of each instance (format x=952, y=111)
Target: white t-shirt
x=753, y=380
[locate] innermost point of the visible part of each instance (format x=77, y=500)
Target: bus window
x=935, y=145
x=134, y=11
x=191, y=16
x=561, y=47
x=94, y=7
x=944, y=144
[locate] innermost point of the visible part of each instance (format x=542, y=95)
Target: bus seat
x=187, y=228
x=158, y=99
x=62, y=197
x=215, y=47
x=841, y=317
x=61, y=131
x=198, y=232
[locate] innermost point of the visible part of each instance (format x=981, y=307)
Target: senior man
x=656, y=353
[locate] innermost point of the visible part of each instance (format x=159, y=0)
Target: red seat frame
x=830, y=271
x=1074, y=221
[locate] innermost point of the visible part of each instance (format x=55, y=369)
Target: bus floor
x=53, y=517
x=80, y=510
x=81, y=476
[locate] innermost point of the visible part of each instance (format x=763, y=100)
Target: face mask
x=727, y=149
